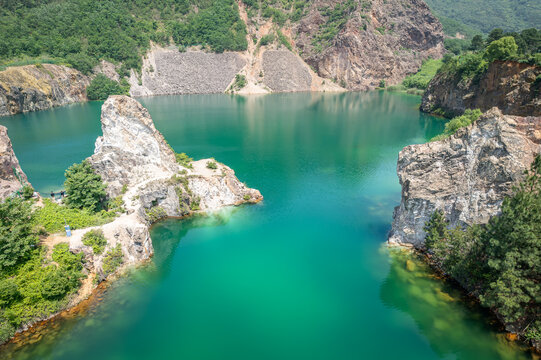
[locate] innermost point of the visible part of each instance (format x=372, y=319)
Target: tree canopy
x=17, y=239
x=81, y=32
x=84, y=188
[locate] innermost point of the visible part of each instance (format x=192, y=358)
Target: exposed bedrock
x=381, y=40
x=137, y=164
x=40, y=87
x=511, y=86
x=12, y=177
x=466, y=175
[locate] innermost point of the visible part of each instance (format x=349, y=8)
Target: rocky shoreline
x=39, y=87
x=140, y=167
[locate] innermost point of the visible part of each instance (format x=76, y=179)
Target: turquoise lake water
x=303, y=274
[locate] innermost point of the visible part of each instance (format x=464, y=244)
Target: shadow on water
x=447, y=317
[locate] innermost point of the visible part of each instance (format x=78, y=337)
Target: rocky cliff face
x=378, y=40
x=509, y=85
x=11, y=175
x=137, y=164
x=40, y=87
x=466, y=175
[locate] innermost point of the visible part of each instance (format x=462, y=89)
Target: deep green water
x=302, y=275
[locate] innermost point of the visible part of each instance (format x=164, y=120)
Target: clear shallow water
x=302, y=275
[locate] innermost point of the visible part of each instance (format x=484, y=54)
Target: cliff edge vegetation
x=503, y=70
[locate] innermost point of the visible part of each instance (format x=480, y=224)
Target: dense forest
x=485, y=15
x=80, y=32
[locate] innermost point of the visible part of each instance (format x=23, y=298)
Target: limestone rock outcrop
x=12, y=176
x=379, y=40
x=40, y=87
x=509, y=85
x=138, y=165
x=466, y=175
x=130, y=149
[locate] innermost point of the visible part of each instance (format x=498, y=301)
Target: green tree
x=502, y=49
x=82, y=62
x=435, y=229
x=513, y=247
x=477, y=43
x=532, y=41
x=495, y=34
x=96, y=240
x=55, y=284
x=8, y=292
x=101, y=87
x=84, y=188
x=17, y=239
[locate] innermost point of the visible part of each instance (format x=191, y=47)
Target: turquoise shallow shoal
x=302, y=275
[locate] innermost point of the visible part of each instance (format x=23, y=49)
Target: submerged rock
x=466, y=175
x=12, y=176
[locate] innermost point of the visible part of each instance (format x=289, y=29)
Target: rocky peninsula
x=142, y=172
x=511, y=86
x=136, y=163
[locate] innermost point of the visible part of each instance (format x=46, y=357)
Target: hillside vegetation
x=80, y=32
x=485, y=15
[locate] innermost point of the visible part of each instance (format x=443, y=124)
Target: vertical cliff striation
x=466, y=175
x=40, y=87
x=361, y=43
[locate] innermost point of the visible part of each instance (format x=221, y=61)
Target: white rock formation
x=136, y=162
x=466, y=175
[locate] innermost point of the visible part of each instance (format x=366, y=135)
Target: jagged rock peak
x=131, y=148
x=466, y=175
x=9, y=167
